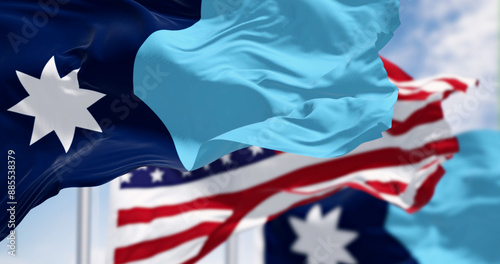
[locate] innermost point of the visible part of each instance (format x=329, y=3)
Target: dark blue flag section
x=460, y=224
x=93, y=89
x=85, y=49
x=346, y=228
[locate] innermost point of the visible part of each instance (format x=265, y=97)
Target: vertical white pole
x=232, y=249
x=83, y=227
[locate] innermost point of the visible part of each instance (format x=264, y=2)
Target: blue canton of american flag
x=147, y=177
x=167, y=216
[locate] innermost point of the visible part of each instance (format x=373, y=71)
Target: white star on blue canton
x=226, y=159
x=126, y=177
x=157, y=175
x=320, y=239
x=256, y=150
x=58, y=104
x=186, y=174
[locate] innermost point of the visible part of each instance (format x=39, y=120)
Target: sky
x=458, y=37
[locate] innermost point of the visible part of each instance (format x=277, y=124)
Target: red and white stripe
x=183, y=223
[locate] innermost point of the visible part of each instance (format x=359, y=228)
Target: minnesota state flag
x=93, y=89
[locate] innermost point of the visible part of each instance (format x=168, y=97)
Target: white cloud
x=457, y=37
x=465, y=44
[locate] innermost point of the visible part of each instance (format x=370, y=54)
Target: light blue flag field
x=461, y=224
x=213, y=76
x=297, y=76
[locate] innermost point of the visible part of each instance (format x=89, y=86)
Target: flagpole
x=83, y=227
x=232, y=249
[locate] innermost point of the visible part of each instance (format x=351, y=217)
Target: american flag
x=166, y=216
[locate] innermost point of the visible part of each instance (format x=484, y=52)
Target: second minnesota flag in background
x=459, y=225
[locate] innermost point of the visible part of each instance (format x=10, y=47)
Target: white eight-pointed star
x=58, y=104
x=320, y=239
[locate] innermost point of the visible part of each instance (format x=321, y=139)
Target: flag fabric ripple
x=56, y=51
x=167, y=216
x=72, y=116
x=297, y=76
x=459, y=225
